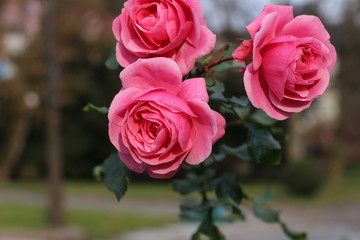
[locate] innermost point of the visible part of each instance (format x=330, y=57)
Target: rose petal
x=275, y=66
x=258, y=94
x=168, y=167
x=124, y=56
x=220, y=126
x=284, y=13
x=185, y=60
x=194, y=88
x=243, y=52
x=120, y=101
x=204, y=131
x=116, y=28
x=129, y=162
x=169, y=101
x=306, y=26
x=152, y=73
x=289, y=105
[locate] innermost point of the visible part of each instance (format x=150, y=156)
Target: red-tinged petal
x=168, y=167
x=194, y=35
x=220, y=127
x=115, y=137
x=204, y=131
x=120, y=101
x=264, y=35
x=152, y=73
x=331, y=58
x=129, y=162
x=172, y=23
x=124, y=56
x=196, y=6
x=306, y=26
x=258, y=94
x=163, y=176
x=319, y=88
x=194, y=88
x=187, y=54
x=275, y=66
x=169, y=101
x=289, y=105
x=116, y=28
x=285, y=14
x=244, y=51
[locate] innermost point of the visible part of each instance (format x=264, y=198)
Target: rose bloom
x=157, y=122
x=162, y=28
x=291, y=61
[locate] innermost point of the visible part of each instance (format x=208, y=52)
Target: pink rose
x=162, y=28
x=157, y=122
x=291, y=61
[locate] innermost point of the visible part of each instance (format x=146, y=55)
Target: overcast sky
x=239, y=13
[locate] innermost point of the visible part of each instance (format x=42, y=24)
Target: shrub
x=304, y=178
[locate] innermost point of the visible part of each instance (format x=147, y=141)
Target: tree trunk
x=56, y=211
x=15, y=144
x=295, y=150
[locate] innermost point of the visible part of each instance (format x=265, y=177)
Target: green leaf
x=265, y=198
x=266, y=213
x=97, y=171
x=218, y=55
x=237, y=213
x=240, y=101
x=111, y=62
x=225, y=110
x=93, y=109
x=292, y=234
x=216, y=92
x=210, y=78
x=228, y=188
x=240, y=151
x=262, y=146
x=208, y=231
x=242, y=112
x=193, y=211
x=227, y=213
x=115, y=177
x=219, y=156
x=185, y=186
x=269, y=215
x=262, y=118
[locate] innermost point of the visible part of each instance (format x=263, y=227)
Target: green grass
x=135, y=190
x=102, y=224
x=92, y=188
x=14, y=216
x=93, y=223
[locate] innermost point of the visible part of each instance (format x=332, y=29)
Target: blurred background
x=52, y=56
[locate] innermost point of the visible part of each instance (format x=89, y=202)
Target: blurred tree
x=19, y=97
x=347, y=133
x=53, y=146
x=82, y=46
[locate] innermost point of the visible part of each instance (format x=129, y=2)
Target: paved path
x=329, y=222
x=336, y=222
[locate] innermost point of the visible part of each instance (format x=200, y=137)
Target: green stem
x=234, y=123
x=205, y=199
x=219, y=62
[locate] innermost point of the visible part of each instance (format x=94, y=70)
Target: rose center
x=153, y=128
x=306, y=55
x=147, y=18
